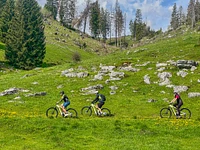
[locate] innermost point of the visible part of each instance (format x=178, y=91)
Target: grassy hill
x=135, y=123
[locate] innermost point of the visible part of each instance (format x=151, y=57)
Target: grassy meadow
x=135, y=123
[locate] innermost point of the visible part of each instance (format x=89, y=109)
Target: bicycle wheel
x=185, y=113
x=165, y=113
x=72, y=113
x=105, y=112
x=52, y=112
x=86, y=111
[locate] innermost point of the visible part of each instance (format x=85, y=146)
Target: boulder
x=186, y=64
x=193, y=94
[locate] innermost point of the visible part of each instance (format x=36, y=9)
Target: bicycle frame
x=173, y=109
x=94, y=108
x=59, y=109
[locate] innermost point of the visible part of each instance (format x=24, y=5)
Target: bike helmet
x=62, y=92
x=175, y=93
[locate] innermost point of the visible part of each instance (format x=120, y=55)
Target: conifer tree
x=197, y=11
x=2, y=3
x=174, y=18
x=95, y=19
x=6, y=16
x=25, y=44
x=52, y=6
x=191, y=13
x=67, y=12
x=139, y=25
x=104, y=23
x=181, y=16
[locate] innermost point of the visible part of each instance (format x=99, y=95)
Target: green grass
x=97, y=133
x=135, y=123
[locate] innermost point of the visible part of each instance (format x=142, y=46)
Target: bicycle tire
x=52, y=112
x=73, y=113
x=106, y=112
x=165, y=113
x=185, y=113
x=86, y=111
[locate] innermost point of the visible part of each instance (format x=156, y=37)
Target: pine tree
x=174, y=18
x=67, y=12
x=181, y=16
x=191, y=13
x=25, y=44
x=95, y=19
x=139, y=25
x=52, y=6
x=2, y=4
x=104, y=23
x=6, y=16
x=197, y=11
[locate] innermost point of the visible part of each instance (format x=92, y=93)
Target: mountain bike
x=87, y=111
x=185, y=113
x=52, y=112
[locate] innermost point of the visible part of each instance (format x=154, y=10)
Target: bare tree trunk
x=58, y=11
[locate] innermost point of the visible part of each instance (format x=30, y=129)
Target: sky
x=156, y=13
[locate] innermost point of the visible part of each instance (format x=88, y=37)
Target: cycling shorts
x=65, y=104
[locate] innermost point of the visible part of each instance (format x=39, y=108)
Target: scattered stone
x=59, y=86
x=113, y=88
x=129, y=68
x=92, y=88
x=164, y=78
x=10, y=91
x=36, y=94
x=186, y=64
x=180, y=89
x=193, y=94
x=182, y=73
x=159, y=65
x=147, y=79
x=112, y=92
x=35, y=83
x=151, y=100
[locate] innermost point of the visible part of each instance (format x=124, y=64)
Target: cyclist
x=178, y=103
x=100, y=98
x=65, y=104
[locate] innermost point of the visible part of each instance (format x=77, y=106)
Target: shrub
x=76, y=57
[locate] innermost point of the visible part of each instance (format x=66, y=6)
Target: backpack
x=102, y=97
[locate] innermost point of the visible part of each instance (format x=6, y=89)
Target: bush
x=76, y=57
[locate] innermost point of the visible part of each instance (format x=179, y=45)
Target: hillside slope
x=135, y=103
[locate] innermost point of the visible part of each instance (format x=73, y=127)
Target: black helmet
x=62, y=92
x=175, y=92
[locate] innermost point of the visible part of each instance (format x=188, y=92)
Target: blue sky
x=156, y=13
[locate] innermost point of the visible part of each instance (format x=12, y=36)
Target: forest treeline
x=22, y=28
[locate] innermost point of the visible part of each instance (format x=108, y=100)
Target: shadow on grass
x=2, y=46
x=46, y=65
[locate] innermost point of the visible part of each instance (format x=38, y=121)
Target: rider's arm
x=173, y=100
x=60, y=100
x=95, y=100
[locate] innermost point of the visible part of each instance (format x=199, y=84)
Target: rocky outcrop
x=186, y=64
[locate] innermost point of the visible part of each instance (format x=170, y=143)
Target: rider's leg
x=178, y=107
x=99, y=107
x=64, y=106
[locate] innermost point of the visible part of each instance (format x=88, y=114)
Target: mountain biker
x=100, y=98
x=178, y=103
x=65, y=104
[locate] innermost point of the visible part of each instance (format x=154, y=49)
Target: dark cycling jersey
x=177, y=96
x=99, y=98
x=65, y=98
